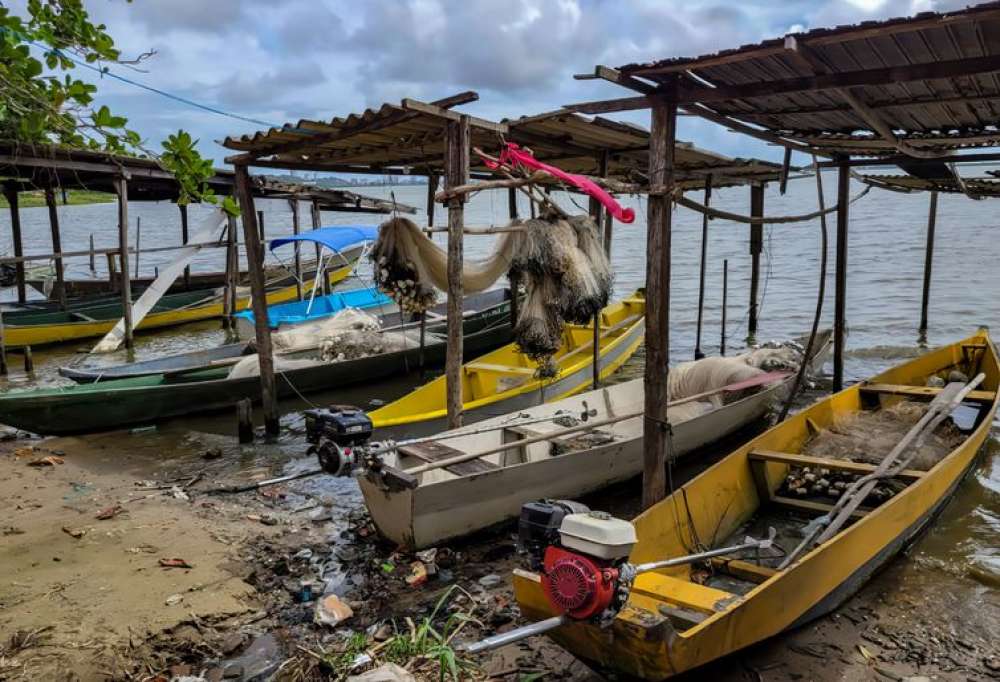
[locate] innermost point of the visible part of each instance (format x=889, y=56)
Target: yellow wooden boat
x=677, y=619
x=36, y=328
x=505, y=380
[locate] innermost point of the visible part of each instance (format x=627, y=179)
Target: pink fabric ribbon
x=515, y=157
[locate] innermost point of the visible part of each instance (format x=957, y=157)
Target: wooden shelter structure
x=914, y=92
x=434, y=140
x=55, y=169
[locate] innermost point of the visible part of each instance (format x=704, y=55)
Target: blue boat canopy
x=336, y=238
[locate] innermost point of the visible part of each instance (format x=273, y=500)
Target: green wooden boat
x=140, y=400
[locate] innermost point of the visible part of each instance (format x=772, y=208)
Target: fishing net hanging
x=560, y=263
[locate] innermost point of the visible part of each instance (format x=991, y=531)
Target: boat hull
x=146, y=400
x=643, y=644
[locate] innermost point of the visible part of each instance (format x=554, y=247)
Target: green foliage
x=42, y=102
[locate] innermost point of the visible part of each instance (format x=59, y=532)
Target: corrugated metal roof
x=792, y=88
x=395, y=137
x=981, y=187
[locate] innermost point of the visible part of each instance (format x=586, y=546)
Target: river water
x=886, y=254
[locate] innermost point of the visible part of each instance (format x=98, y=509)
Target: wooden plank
x=435, y=451
x=744, y=570
x=824, y=463
x=682, y=593
x=258, y=290
x=121, y=187
x=457, y=155
x=441, y=112
x=662, y=145
x=923, y=392
x=810, y=507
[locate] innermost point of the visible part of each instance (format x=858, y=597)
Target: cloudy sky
x=281, y=60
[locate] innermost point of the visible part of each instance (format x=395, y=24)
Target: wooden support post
x=50, y=201
x=121, y=186
x=244, y=420
x=260, y=226
x=725, y=303
x=184, y=239
x=457, y=164
x=255, y=270
x=756, y=247
x=432, y=185
x=293, y=204
x=656, y=429
x=928, y=264
x=317, y=221
x=840, y=277
x=231, y=276
x=513, y=280
x=29, y=361
x=93, y=256
x=3, y=347
x=15, y=227
x=698, y=354
x=786, y=166
x=113, y=270
x=138, y=243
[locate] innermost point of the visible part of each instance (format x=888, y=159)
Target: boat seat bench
x=683, y=594
x=432, y=452
x=922, y=392
x=793, y=459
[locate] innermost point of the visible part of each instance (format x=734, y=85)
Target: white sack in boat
x=249, y=366
x=708, y=374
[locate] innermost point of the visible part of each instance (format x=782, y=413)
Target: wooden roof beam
x=342, y=133
x=435, y=109
x=808, y=58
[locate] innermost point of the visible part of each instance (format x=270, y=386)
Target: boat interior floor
x=799, y=500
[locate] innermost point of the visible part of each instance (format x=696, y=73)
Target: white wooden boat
x=448, y=502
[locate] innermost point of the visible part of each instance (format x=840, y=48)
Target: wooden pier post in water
x=244, y=421
x=457, y=165
x=121, y=187
x=725, y=304
x=260, y=227
x=928, y=264
x=29, y=361
x=756, y=247
x=656, y=429
x=138, y=243
x=317, y=221
x=50, y=201
x=840, y=276
x=698, y=354
x=230, y=276
x=10, y=191
x=293, y=204
x=258, y=291
x=93, y=256
x=184, y=239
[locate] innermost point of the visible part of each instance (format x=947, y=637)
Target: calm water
x=886, y=252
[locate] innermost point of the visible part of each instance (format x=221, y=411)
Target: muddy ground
x=88, y=598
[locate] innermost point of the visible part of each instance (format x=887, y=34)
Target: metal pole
x=662, y=141
x=698, y=355
x=928, y=263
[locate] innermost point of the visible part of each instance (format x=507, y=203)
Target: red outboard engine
x=579, y=569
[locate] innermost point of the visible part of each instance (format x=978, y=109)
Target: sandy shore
x=90, y=596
